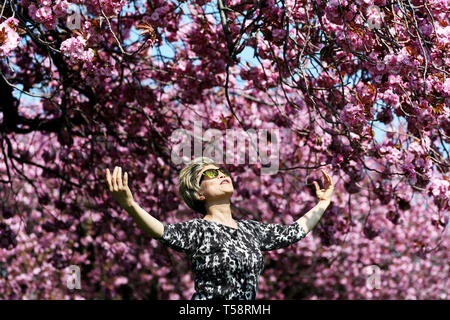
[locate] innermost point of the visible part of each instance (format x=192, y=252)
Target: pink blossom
x=11, y=37
x=110, y=7
x=120, y=281
x=60, y=8
x=154, y=16
x=446, y=86
x=440, y=188
x=43, y=15
x=392, y=154
x=74, y=49
x=279, y=34
x=353, y=116
x=337, y=160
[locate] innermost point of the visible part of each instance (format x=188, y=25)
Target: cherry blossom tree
x=359, y=86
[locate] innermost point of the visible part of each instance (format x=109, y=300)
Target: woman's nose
x=221, y=175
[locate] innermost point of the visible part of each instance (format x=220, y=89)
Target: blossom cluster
x=9, y=38
x=47, y=12
x=75, y=49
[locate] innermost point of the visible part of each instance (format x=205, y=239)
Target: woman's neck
x=219, y=213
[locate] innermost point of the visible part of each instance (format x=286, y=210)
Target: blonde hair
x=188, y=185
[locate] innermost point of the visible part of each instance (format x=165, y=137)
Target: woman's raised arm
x=122, y=193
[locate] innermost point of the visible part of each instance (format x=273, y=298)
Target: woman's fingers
x=108, y=179
x=125, y=180
x=325, y=175
x=114, y=179
x=316, y=185
x=119, y=178
x=331, y=180
x=115, y=182
x=327, y=178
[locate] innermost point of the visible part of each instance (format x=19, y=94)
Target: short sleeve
x=180, y=236
x=274, y=236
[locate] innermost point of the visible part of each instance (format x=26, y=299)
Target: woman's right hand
x=120, y=191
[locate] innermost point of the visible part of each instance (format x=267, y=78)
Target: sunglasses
x=214, y=173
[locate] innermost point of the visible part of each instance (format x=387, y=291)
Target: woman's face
x=220, y=187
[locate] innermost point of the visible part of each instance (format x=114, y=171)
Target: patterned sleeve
x=274, y=236
x=180, y=236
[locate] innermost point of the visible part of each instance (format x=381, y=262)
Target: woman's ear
x=200, y=196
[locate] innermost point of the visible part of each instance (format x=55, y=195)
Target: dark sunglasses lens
x=211, y=173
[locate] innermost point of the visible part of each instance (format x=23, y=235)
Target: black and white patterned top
x=226, y=261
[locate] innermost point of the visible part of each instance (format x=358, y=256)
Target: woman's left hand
x=325, y=194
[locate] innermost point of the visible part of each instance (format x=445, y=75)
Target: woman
x=225, y=253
